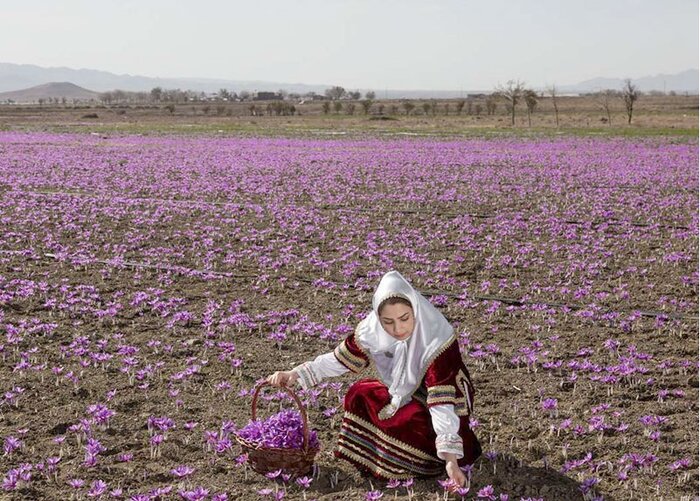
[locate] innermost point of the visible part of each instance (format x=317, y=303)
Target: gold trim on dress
x=463, y=380
x=385, y=457
x=388, y=439
x=377, y=469
x=392, y=448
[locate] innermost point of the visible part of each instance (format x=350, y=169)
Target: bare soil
x=38, y=221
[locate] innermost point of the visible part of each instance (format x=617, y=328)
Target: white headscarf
x=402, y=364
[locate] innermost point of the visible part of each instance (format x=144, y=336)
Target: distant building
x=267, y=96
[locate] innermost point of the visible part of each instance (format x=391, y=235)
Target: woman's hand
x=283, y=378
x=453, y=471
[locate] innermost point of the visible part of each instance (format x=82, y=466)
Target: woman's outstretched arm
x=309, y=374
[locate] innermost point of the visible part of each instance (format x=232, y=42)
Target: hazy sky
x=377, y=44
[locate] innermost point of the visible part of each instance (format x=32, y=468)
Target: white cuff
x=446, y=426
x=307, y=378
x=451, y=444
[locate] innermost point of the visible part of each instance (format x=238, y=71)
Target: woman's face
x=397, y=320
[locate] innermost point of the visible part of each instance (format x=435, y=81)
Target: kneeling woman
x=414, y=421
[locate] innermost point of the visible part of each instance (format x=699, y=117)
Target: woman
x=414, y=421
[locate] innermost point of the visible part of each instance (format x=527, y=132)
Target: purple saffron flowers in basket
x=284, y=430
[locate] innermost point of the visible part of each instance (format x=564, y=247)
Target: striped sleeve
x=442, y=394
x=351, y=355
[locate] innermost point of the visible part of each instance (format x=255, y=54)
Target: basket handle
x=302, y=411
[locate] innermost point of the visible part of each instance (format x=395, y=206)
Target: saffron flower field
x=148, y=283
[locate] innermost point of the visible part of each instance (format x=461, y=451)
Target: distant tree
x=553, y=94
x=512, y=93
x=205, y=109
x=244, y=95
x=530, y=97
x=337, y=106
x=380, y=108
x=605, y=98
x=446, y=107
x=119, y=95
x=477, y=109
x=408, y=107
x=282, y=108
x=283, y=93
x=224, y=95
x=370, y=95
x=433, y=107
x=366, y=105
x=106, y=98
x=335, y=93
x=508, y=107
x=156, y=94
x=459, y=106
x=491, y=104
x=470, y=106
x=326, y=106
x=630, y=94
x=426, y=107
x=41, y=101
x=355, y=95
x=349, y=108
x=393, y=110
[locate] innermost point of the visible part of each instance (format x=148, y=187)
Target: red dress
x=403, y=446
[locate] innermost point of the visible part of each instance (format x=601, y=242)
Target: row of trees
x=158, y=95
x=431, y=107
x=336, y=93
x=515, y=91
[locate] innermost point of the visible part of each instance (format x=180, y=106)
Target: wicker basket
x=264, y=460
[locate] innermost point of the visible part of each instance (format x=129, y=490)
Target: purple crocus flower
x=76, y=483
x=373, y=495
x=182, y=471
x=304, y=482
x=97, y=488
x=486, y=493
x=196, y=494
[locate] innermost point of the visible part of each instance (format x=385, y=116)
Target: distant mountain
x=50, y=90
x=685, y=81
x=22, y=76
x=19, y=76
